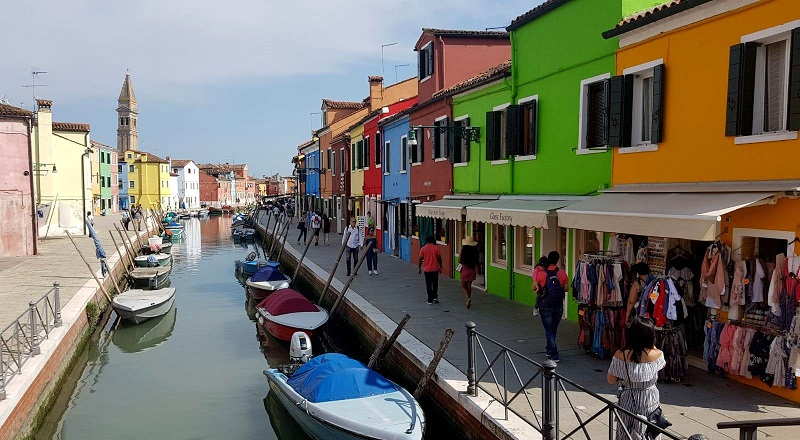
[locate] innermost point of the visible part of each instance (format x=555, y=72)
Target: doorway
x=479, y=235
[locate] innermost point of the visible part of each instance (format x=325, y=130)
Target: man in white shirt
x=316, y=225
x=354, y=241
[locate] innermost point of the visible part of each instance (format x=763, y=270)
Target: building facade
x=17, y=215
x=104, y=179
x=188, y=183
x=123, y=183
x=397, y=218
x=148, y=180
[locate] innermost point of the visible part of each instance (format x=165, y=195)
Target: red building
x=17, y=221
x=446, y=58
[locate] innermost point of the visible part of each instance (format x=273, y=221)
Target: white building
x=172, y=199
x=188, y=191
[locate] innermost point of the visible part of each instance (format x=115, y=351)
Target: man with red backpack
x=551, y=286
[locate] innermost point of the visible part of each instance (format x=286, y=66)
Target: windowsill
x=440, y=159
x=403, y=171
x=524, y=158
x=524, y=271
x=460, y=164
x=499, y=264
x=766, y=137
x=441, y=243
x=414, y=164
x=378, y=166
x=499, y=162
x=367, y=168
x=639, y=149
x=425, y=79
x=584, y=150
x=386, y=173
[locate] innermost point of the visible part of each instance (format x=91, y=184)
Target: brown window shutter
x=741, y=88
x=616, y=111
x=793, y=115
x=467, y=143
x=513, y=130
x=657, y=126
x=533, y=127
x=491, y=136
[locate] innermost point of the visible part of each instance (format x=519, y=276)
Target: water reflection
x=131, y=338
x=281, y=421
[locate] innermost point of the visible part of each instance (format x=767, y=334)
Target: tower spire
x=127, y=114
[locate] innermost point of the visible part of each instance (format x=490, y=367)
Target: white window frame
x=767, y=36
x=435, y=138
x=421, y=49
x=641, y=71
x=522, y=101
x=498, y=262
x=404, y=163
x=583, y=118
x=469, y=143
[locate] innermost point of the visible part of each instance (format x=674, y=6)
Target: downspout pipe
x=34, y=227
x=83, y=180
x=511, y=230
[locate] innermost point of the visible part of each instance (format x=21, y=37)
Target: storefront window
x=525, y=246
x=441, y=230
x=499, y=255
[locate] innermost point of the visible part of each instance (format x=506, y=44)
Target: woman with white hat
x=468, y=266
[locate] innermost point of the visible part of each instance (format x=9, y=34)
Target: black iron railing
x=20, y=340
x=534, y=392
x=748, y=429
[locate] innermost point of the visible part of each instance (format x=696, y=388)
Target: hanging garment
x=725, y=354
x=737, y=348
x=744, y=362
x=759, y=356
x=793, y=342
x=713, y=277
x=759, y=281
x=776, y=365
x=737, y=298
x=713, y=330
x=684, y=281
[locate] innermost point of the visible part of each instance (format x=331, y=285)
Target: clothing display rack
x=600, y=286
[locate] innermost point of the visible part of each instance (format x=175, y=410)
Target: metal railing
x=534, y=392
x=748, y=429
x=20, y=340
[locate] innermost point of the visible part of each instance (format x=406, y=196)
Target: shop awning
x=693, y=216
x=514, y=212
x=450, y=209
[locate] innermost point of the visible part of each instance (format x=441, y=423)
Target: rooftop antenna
x=33, y=85
x=494, y=28
x=383, y=71
x=311, y=120
x=395, y=69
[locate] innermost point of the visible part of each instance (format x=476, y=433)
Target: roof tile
x=658, y=12
x=466, y=33
x=71, y=126
x=496, y=72
x=10, y=110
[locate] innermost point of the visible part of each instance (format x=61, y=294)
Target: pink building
x=17, y=221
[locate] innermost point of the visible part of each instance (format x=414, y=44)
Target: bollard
x=34, y=337
x=57, y=304
x=472, y=387
x=549, y=401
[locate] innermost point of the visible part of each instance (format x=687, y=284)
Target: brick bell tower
x=127, y=114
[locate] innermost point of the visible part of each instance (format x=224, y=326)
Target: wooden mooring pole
x=88, y=266
x=125, y=246
x=335, y=267
x=350, y=280
x=302, y=257
x=386, y=345
x=119, y=251
x=437, y=357
x=282, y=242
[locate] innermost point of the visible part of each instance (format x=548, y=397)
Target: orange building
x=702, y=117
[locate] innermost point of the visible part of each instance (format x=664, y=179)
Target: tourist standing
x=89, y=218
x=552, y=283
x=301, y=226
x=352, y=238
x=326, y=228
x=316, y=226
x=468, y=264
x=635, y=372
x=126, y=219
x=372, y=251
x=430, y=262
x=370, y=220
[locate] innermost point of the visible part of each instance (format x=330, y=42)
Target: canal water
x=194, y=373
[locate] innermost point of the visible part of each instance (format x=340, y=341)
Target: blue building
x=122, y=183
x=397, y=213
x=312, y=164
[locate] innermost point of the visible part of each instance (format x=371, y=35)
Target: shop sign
x=657, y=255
x=500, y=217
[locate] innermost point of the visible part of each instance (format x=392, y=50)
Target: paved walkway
x=23, y=279
x=694, y=406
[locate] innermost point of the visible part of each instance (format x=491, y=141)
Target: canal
x=194, y=373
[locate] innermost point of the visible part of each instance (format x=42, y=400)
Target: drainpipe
x=83, y=180
x=513, y=100
x=34, y=227
x=512, y=163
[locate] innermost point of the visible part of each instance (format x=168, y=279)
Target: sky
x=234, y=81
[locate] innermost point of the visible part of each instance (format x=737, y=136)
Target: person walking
x=89, y=218
x=552, y=284
x=370, y=220
x=353, y=239
x=468, y=264
x=326, y=228
x=430, y=262
x=126, y=219
x=372, y=251
x=301, y=226
x=634, y=370
x=316, y=227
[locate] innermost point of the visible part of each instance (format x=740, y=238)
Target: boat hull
x=153, y=279
x=140, y=316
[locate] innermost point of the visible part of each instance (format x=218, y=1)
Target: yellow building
x=148, y=179
x=62, y=173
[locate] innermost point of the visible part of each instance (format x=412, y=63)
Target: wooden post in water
x=350, y=280
x=282, y=243
x=335, y=266
x=302, y=257
x=134, y=251
x=272, y=236
x=125, y=245
x=88, y=266
x=119, y=251
x=437, y=357
x=386, y=344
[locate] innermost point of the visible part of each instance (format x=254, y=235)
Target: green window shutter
x=741, y=89
x=793, y=115
x=657, y=125
x=513, y=130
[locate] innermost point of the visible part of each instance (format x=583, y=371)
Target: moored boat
x=150, y=277
x=265, y=281
x=214, y=211
x=138, y=305
x=335, y=397
x=153, y=260
x=287, y=311
x=164, y=248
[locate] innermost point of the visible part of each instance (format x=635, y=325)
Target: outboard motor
x=300, y=348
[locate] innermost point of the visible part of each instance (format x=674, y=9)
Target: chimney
x=44, y=131
x=375, y=92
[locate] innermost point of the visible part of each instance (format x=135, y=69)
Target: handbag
x=656, y=417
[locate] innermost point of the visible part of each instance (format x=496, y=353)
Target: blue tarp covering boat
x=268, y=273
x=334, y=376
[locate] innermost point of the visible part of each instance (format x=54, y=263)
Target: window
x=525, y=241
x=333, y=161
x=133, y=199
x=365, y=147
x=763, y=97
x=461, y=141
x=119, y=184
x=594, y=114
x=175, y=170
x=499, y=255
x=360, y=154
x=440, y=138
x=404, y=219
x=426, y=61
x=645, y=82
x=352, y=157
x=403, y=154
x=119, y=168
x=343, y=165
x=387, y=155
x=132, y=168
x=418, y=150
x=377, y=149
x=131, y=184
x=529, y=125
x=130, y=156
x=440, y=228
x=496, y=134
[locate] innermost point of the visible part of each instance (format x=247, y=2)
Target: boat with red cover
x=287, y=311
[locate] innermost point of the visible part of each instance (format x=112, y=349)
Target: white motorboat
x=138, y=305
x=150, y=277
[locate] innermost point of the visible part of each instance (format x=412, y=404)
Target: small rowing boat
x=138, y=305
x=287, y=311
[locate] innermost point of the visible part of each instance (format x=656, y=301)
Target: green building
x=541, y=144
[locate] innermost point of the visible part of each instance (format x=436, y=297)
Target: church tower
x=127, y=113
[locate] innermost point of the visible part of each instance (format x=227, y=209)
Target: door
x=479, y=235
x=339, y=215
